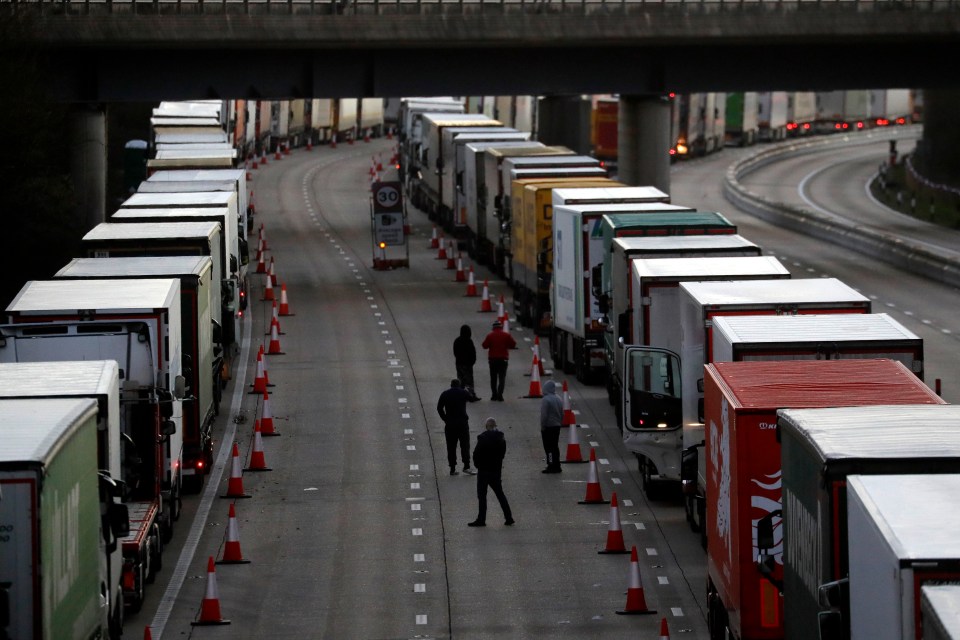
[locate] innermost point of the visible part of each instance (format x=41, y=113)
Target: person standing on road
x=488, y=456
x=551, y=420
x=498, y=344
x=452, y=407
x=465, y=356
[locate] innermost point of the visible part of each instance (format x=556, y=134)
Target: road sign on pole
x=388, y=223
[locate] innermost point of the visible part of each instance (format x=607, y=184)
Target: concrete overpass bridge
x=148, y=50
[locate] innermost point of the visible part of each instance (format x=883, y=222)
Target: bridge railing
x=456, y=7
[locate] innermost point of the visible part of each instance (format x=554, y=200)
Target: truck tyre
x=154, y=559
x=650, y=486
x=716, y=616
x=690, y=508
x=702, y=518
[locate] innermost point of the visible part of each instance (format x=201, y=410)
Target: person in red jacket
x=498, y=344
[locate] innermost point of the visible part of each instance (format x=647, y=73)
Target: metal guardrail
x=458, y=7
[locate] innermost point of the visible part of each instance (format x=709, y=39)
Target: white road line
x=414, y=485
x=419, y=557
x=421, y=618
x=627, y=502
x=677, y=612
x=640, y=526
x=414, y=467
x=213, y=486
x=615, y=480
x=419, y=588
x=416, y=531
x=663, y=580
x=411, y=447
x=603, y=461
x=415, y=506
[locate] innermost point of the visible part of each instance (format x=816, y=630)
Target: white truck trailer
x=940, y=610
x=772, y=116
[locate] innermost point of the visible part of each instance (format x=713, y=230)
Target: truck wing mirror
x=217, y=332
x=700, y=410
x=700, y=385
x=179, y=387
x=168, y=428
x=244, y=252
x=119, y=517
x=834, y=598
x=765, y=530
x=830, y=624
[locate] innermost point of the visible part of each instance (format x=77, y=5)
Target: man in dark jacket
x=452, y=407
x=488, y=457
x=465, y=356
x=498, y=344
x=551, y=420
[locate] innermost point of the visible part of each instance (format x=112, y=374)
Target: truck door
x=650, y=399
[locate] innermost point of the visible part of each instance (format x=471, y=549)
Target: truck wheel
x=154, y=560
x=702, y=517
x=612, y=395
x=690, y=507
x=716, y=617
x=650, y=487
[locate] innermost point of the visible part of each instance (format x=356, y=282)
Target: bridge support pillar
x=88, y=162
x=643, y=146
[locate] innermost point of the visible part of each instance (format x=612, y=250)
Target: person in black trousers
x=452, y=407
x=488, y=457
x=465, y=356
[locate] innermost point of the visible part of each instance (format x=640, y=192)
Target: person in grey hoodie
x=551, y=419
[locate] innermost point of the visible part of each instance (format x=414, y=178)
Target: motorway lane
x=925, y=307
x=358, y=531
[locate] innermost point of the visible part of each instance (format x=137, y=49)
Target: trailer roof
x=177, y=153
x=67, y=378
x=134, y=267
x=849, y=439
x=179, y=199
x=725, y=267
x=912, y=513
x=792, y=292
x=187, y=175
x=521, y=162
x=670, y=244
x=847, y=327
x=171, y=212
x=187, y=186
x=34, y=430
x=39, y=297
x=618, y=194
x=192, y=137
x=506, y=134
x=456, y=132
x=667, y=218
x=188, y=121
x=506, y=145
x=798, y=384
x=447, y=119
x=194, y=145
x=507, y=151
x=142, y=230
x=189, y=108
x=543, y=173
x=615, y=210
x=944, y=603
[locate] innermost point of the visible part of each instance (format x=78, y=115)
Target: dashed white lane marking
x=388, y=342
x=640, y=526
x=396, y=374
x=603, y=461
x=408, y=432
x=615, y=480
x=405, y=416
x=414, y=485
x=373, y=306
x=421, y=618
x=677, y=612
x=414, y=467
x=594, y=443
x=419, y=588
x=627, y=502
x=399, y=387
x=416, y=531
x=663, y=580
x=419, y=557
x=415, y=506
x=651, y=551
x=411, y=447
x=402, y=400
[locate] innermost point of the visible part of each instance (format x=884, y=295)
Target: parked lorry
x=127, y=239
x=890, y=106
x=660, y=450
x=741, y=126
x=529, y=260
x=940, y=610
x=842, y=110
x=474, y=194
x=772, y=118
x=457, y=192
x=801, y=112
x=604, y=134
x=136, y=323
x=54, y=581
x=647, y=310
x=98, y=380
x=207, y=180
x=427, y=189
x=698, y=124
x=452, y=139
x=495, y=190
x=202, y=345
x=905, y=538
x=411, y=132
x=820, y=448
x=743, y=471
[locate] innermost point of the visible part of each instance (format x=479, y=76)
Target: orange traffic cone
x=268, y=290
x=210, y=607
x=277, y=153
x=569, y=419
x=261, y=265
x=257, y=460
x=451, y=262
x=485, y=306
x=272, y=274
x=274, y=348
x=501, y=313
x=535, y=389
x=664, y=629
x=266, y=419
x=286, y=148
x=333, y=141
x=309, y=144
x=263, y=156
x=263, y=237
x=536, y=351
x=434, y=240
x=615, y=532
x=442, y=249
x=471, y=285
x=461, y=275
x=275, y=319
x=594, y=495
x=573, y=446
x=636, y=603
x=253, y=163
x=266, y=373
x=146, y=634
x=235, y=484
x=284, y=303
x=260, y=381
x=231, y=550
